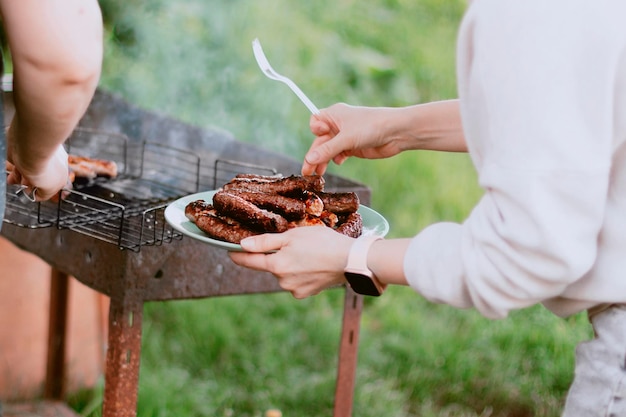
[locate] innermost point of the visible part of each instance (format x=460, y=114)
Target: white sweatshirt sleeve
x=535, y=83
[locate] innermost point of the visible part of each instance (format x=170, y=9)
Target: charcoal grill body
x=173, y=268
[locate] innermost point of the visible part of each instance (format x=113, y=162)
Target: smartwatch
x=361, y=279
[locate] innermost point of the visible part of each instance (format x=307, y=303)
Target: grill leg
x=57, y=325
x=123, y=356
x=348, y=352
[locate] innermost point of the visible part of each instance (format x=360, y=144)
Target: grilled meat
x=339, y=203
x=245, y=212
x=292, y=185
x=253, y=204
x=352, y=226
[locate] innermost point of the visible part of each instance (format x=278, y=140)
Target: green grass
x=241, y=355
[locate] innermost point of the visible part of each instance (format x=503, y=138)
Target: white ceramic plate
x=373, y=222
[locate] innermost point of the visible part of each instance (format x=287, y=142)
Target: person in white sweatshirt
x=542, y=112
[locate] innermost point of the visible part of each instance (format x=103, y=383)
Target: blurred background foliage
x=239, y=356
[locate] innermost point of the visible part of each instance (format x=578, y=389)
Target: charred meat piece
x=327, y=219
x=340, y=203
x=245, y=212
x=221, y=228
x=314, y=204
x=206, y=217
x=292, y=185
x=289, y=208
x=258, y=177
x=352, y=226
x=198, y=208
x=307, y=220
x=330, y=219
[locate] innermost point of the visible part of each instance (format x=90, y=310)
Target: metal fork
x=270, y=73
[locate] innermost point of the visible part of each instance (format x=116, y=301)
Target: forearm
x=386, y=260
x=56, y=47
x=432, y=126
x=45, y=117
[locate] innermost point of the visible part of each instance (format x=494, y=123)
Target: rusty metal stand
x=123, y=358
x=185, y=269
x=348, y=351
x=57, y=325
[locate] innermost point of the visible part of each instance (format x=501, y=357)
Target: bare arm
x=433, y=126
x=369, y=132
x=56, y=48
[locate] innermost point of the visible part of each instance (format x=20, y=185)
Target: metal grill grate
x=128, y=210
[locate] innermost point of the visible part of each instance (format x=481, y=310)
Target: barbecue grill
x=111, y=235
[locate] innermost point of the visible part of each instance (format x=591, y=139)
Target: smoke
x=193, y=60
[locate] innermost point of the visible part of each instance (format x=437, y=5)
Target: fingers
x=288, y=281
x=341, y=158
x=64, y=192
x=318, y=126
x=13, y=175
x=44, y=185
x=311, y=169
x=40, y=194
x=324, y=147
x=264, y=243
x=302, y=265
x=323, y=150
x=256, y=261
x=257, y=251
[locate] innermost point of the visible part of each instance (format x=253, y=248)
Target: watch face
x=362, y=284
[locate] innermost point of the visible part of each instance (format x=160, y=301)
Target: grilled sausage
x=340, y=203
x=198, y=208
x=221, y=228
x=233, y=206
x=288, y=186
x=259, y=177
x=90, y=168
x=289, y=208
x=207, y=219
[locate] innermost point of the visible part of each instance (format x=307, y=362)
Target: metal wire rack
x=127, y=210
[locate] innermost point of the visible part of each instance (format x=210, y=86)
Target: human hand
x=307, y=259
x=48, y=179
x=342, y=131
